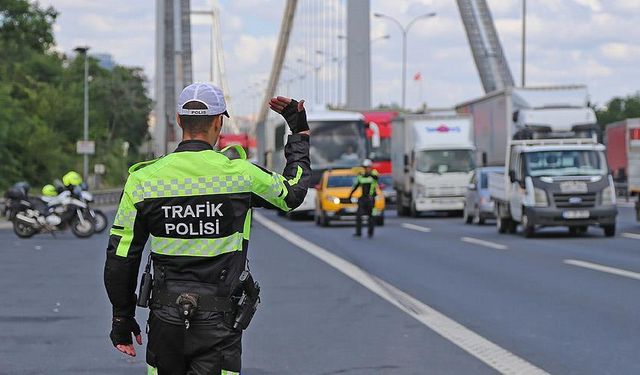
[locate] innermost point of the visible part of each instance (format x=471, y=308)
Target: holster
x=247, y=304
x=146, y=284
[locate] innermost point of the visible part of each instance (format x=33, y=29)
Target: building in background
x=105, y=60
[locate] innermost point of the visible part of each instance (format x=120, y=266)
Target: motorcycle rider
x=368, y=181
x=195, y=205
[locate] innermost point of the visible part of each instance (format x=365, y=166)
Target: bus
x=243, y=139
x=338, y=140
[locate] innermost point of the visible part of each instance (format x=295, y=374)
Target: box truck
x=623, y=152
x=556, y=172
x=432, y=159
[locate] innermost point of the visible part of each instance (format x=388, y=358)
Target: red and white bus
x=379, y=139
x=379, y=148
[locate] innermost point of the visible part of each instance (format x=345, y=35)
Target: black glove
x=121, y=330
x=297, y=121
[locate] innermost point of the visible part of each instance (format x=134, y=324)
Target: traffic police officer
x=368, y=181
x=195, y=206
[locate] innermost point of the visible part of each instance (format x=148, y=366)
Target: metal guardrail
x=100, y=198
x=107, y=196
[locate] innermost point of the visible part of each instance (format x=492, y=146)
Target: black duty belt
x=205, y=303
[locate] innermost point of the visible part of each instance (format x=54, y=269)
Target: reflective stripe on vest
x=174, y=187
x=200, y=247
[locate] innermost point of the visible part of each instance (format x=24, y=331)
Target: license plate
x=582, y=214
x=350, y=210
x=445, y=201
x=573, y=187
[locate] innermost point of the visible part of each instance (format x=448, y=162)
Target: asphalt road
x=563, y=304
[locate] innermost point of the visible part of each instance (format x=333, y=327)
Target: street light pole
x=524, y=41
x=85, y=161
x=405, y=31
x=316, y=79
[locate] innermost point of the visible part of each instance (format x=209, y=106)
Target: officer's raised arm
x=355, y=186
x=287, y=191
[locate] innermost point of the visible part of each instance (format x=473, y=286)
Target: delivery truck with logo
x=432, y=159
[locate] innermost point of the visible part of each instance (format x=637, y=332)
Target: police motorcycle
x=33, y=215
x=73, y=182
x=82, y=193
x=99, y=218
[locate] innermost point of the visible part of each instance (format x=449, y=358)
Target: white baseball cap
x=209, y=95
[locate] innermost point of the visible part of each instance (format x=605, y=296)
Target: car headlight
x=540, y=197
x=609, y=195
x=332, y=199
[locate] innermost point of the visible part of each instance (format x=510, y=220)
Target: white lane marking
x=601, y=268
x=419, y=228
x=634, y=236
x=486, y=351
x=477, y=241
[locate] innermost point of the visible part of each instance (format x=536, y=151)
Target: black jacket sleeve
x=127, y=239
x=285, y=191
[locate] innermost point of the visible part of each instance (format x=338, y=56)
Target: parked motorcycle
x=82, y=193
x=31, y=215
x=99, y=218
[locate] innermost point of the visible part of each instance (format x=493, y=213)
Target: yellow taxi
x=332, y=199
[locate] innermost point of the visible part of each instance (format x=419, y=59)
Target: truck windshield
x=381, y=153
x=336, y=144
x=566, y=163
x=444, y=161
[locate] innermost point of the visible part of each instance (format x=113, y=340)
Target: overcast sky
x=595, y=42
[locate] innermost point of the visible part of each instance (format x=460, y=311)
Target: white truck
x=432, y=158
x=556, y=170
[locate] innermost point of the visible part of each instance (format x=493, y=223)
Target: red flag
x=417, y=77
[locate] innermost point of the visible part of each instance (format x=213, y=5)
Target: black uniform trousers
x=365, y=207
x=202, y=349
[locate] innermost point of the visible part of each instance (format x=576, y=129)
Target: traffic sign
x=86, y=147
x=99, y=169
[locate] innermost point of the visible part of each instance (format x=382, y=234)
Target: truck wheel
x=402, y=210
x=503, y=225
x=468, y=219
x=513, y=227
x=528, y=228
x=609, y=230
x=413, y=211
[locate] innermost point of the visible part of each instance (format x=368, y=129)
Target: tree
x=26, y=25
x=41, y=103
x=618, y=109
